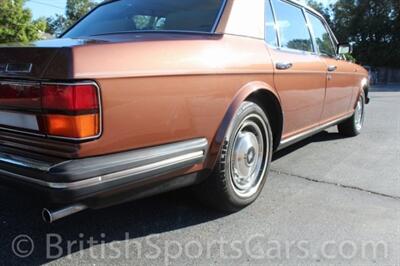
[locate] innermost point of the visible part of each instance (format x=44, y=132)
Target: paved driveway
x=328, y=200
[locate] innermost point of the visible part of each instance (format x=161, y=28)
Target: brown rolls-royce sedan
x=141, y=97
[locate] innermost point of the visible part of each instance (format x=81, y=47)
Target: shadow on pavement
x=20, y=214
x=321, y=137
x=164, y=213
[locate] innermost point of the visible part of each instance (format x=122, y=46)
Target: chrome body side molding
x=129, y=166
x=289, y=141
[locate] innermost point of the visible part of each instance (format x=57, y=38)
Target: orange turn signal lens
x=81, y=126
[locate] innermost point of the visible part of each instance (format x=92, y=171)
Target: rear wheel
x=354, y=125
x=243, y=165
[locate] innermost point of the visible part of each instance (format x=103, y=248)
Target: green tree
x=56, y=25
x=343, y=19
x=16, y=24
x=75, y=9
x=373, y=26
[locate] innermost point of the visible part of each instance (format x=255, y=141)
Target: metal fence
x=382, y=75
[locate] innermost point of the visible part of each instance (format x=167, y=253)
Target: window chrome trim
x=219, y=16
x=311, y=31
x=277, y=36
x=301, y=7
x=212, y=31
x=278, y=32
x=289, y=50
x=322, y=18
x=328, y=30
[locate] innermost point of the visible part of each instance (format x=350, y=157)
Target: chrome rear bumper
x=80, y=179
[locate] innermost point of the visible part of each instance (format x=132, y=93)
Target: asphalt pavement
x=328, y=201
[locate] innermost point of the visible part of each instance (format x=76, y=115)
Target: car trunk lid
x=25, y=62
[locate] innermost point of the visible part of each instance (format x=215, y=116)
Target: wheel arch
x=260, y=93
x=365, y=87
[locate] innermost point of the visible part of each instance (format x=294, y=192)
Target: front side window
x=322, y=36
x=292, y=26
x=148, y=15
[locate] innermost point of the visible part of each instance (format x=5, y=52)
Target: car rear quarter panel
x=166, y=91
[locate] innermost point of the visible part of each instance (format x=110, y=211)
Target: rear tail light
x=77, y=126
x=16, y=95
x=67, y=111
x=71, y=111
x=69, y=97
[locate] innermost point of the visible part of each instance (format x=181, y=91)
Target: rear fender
x=244, y=93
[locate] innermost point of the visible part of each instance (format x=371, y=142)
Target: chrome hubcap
x=247, y=157
x=359, y=114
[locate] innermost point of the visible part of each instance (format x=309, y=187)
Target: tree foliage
x=373, y=26
x=16, y=24
x=75, y=9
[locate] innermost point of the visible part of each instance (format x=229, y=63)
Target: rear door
x=300, y=74
x=340, y=74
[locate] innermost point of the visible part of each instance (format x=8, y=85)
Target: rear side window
x=322, y=37
x=148, y=15
x=292, y=26
x=271, y=36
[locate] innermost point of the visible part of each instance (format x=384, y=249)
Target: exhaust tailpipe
x=50, y=216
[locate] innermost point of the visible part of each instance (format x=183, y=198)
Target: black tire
x=219, y=190
x=353, y=126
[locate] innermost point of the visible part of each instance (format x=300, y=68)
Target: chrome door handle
x=284, y=65
x=332, y=68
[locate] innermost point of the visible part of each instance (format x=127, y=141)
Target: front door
x=340, y=74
